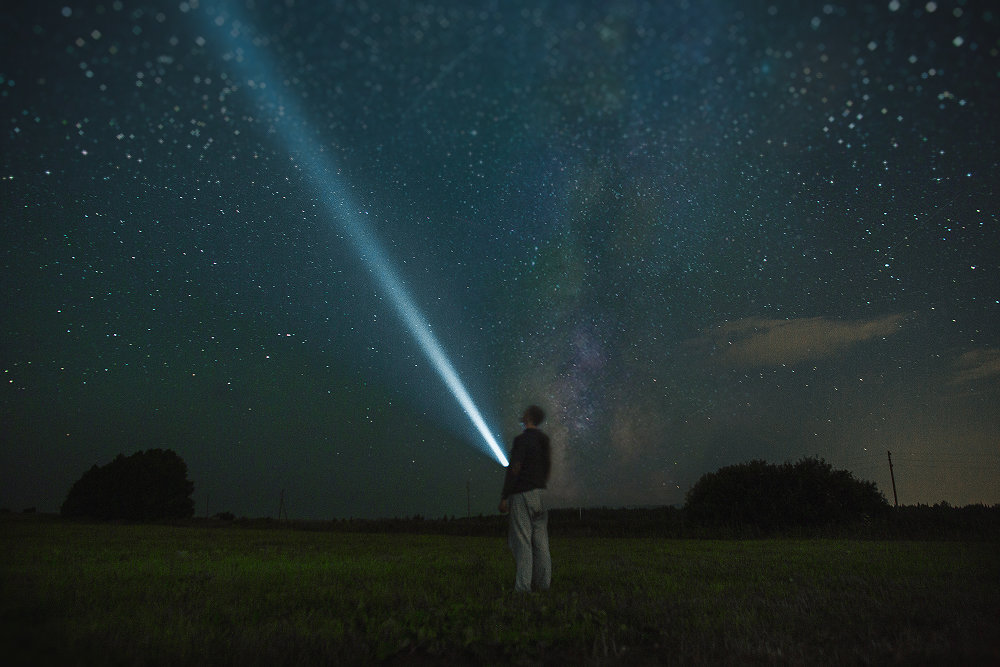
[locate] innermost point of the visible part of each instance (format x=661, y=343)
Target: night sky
x=695, y=233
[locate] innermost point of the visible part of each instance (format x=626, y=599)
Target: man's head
x=533, y=416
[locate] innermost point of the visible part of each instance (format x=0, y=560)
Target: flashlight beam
x=321, y=169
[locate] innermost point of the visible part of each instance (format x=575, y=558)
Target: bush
x=807, y=493
x=146, y=486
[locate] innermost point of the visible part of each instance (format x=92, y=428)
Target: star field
x=695, y=233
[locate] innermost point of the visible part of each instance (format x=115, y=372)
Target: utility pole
x=468, y=498
x=281, y=507
x=895, y=501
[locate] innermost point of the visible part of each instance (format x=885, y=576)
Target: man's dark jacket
x=529, y=463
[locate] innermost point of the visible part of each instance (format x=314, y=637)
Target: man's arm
x=513, y=469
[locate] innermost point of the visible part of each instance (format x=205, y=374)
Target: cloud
x=763, y=342
x=976, y=365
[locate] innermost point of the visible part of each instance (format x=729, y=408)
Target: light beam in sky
x=320, y=167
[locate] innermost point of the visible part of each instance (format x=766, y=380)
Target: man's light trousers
x=528, y=537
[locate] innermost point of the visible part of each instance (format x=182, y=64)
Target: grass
x=125, y=594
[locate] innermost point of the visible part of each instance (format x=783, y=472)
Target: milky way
x=695, y=233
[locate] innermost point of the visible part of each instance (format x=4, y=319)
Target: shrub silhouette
x=807, y=493
x=146, y=486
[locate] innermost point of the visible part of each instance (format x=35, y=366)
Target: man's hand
x=503, y=506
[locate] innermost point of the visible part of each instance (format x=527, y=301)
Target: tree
x=146, y=486
x=807, y=493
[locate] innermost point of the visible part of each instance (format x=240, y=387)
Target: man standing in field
x=527, y=474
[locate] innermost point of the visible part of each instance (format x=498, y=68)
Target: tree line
x=145, y=486
x=745, y=500
x=768, y=496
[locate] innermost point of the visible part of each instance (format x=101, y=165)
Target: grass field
x=75, y=593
